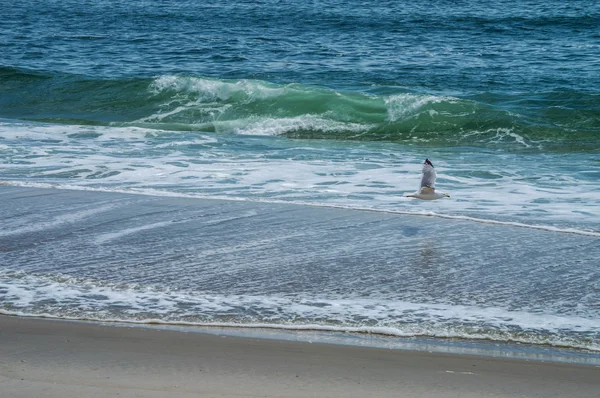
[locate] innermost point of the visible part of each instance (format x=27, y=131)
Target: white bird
x=427, y=190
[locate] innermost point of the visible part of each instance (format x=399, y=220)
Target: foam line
x=546, y=228
x=472, y=219
x=378, y=331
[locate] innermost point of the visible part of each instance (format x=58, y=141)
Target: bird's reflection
x=428, y=256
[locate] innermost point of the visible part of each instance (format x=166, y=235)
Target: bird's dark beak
x=446, y=195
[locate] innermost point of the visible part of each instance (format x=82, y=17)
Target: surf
x=304, y=111
x=159, y=193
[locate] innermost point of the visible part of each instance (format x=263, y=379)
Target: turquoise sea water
x=319, y=103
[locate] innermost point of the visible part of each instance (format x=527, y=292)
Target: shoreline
x=114, y=232
x=460, y=346
x=52, y=358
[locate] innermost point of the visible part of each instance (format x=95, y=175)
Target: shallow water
x=146, y=259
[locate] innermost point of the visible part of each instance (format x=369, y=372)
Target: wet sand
x=48, y=358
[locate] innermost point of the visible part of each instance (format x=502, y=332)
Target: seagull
x=427, y=191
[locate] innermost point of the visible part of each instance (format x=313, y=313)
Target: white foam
x=401, y=106
x=203, y=141
x=499, y=135
x=76, y=298
x=422, y=213
x=280, y=126
x=211, y=90
x=499, y=189
x=474, y=219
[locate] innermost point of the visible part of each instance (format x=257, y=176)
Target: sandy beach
x=47, y=358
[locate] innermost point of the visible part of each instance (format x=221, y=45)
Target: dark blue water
x=463, y=47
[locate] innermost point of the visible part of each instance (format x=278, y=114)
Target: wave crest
x=215, y=90
x=246, y=106
x=67, y=297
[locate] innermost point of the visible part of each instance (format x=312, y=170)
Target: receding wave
x=153, y=192
x=65, y=297
x=547, y=228
x=564, y=121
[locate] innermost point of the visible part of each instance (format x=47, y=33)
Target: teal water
x=514, y=122
x=316, y=104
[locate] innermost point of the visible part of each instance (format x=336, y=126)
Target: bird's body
x=427, y=189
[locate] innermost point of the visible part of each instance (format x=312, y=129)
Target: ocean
x=244, y=164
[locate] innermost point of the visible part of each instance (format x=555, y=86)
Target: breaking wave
x=549, y=121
